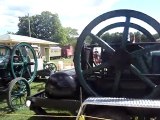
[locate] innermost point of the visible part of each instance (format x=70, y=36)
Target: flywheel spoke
x=125, y=32
x=29, y=73
x=102, y=43
x=145, y=79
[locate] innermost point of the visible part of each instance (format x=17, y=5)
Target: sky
x=72, y=13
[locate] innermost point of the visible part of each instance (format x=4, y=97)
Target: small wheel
x=51, y=67
x=24, y=61
x=18, y=90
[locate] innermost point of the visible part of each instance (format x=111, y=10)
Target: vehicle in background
x=67, y=51
x=61, y=52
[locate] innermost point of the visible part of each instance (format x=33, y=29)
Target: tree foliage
x=71, y=35
x=112, y=37
x=8, y=32
x=117, y=37
x=44, y=26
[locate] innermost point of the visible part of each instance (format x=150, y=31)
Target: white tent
x=9, y=38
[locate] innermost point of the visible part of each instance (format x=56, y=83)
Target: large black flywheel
x=121, y=63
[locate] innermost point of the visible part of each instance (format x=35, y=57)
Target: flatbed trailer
x=98, y=107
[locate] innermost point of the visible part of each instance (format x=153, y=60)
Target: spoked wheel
x=119, y=58
x=51, y=67
x=18, y=90
x=24, y=61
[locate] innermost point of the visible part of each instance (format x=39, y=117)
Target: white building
x=11, y=40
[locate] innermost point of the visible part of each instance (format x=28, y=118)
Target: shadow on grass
x=3, y=104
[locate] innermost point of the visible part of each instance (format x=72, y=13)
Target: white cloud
x=74, y=13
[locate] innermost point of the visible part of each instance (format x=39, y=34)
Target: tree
x=44, y=26
x=71, y=35
x=71, y=32
x=138, y=37
x=8, y=32
x=156, y=36
x=118, y=37
x=113, y=37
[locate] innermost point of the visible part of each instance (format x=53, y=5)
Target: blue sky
x=150, y=7
x=72, y=13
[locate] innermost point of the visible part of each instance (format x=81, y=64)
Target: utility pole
x=29, y=26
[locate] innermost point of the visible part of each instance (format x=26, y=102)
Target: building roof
x=10, y=38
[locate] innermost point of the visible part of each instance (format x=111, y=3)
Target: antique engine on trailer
x=125, y=68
